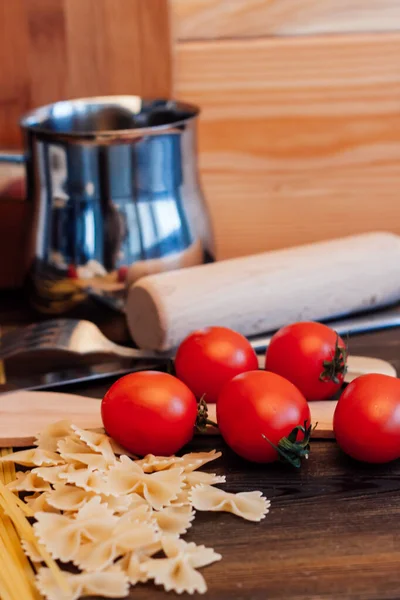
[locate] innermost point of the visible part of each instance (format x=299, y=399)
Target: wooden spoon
x=23, y=414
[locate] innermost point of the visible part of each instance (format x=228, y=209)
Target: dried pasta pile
x=116, y=519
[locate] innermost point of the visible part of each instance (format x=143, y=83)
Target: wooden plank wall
x=300, y=128
x=58, y=49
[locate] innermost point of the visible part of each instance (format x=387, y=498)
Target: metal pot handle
x=16, y=158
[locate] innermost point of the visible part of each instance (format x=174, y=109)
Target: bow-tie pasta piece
x=97, y=442
x=96, y=520
x=178, y=570
x=34, y=457
x=125, y=537
x=162, y=487
x=59, y=534
x=48, y=438
x=182, y=498
x=62, y=534
x=252, y=506
x=132, y=562
x=135, y=500
x=31, y=552
x=200, y=556
x=68, y=497
x=200, y=477
x=140, y=514
x=151, y=463
x=174, y=520
x=39, y=502
x=88, y=480
x=112, y=583
x=118, y=504
x=159, y=488
x=51, y=474
x=73, y=450
x=196, y=460
x=29, y=482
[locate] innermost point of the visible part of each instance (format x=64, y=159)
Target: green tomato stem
x=292, y=450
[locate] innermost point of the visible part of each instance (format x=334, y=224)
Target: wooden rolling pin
x=261, y=293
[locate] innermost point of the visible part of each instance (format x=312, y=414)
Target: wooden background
x=300, y=126
x=300, y=129
x=58, y=49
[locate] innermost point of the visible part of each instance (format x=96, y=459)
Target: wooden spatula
x=23, y=414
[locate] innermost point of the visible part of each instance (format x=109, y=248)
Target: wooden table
x=332, y=531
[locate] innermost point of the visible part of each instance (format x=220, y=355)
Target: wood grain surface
x=58, y=49
x=299, y=137
x=332, y=529
x=331, y=532
x=219, y=19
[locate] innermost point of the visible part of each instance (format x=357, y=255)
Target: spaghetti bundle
x=17, y=575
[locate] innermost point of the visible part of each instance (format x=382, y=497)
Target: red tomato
x=72, y=272
x=367, y=419
x=149, y=412
x=310, y=355
x=208, y=358
x=257, y=404
x=122, y=274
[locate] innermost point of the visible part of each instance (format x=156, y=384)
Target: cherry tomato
x=367, y=419
x=210, y=357
x=149, y=412
x=257, y=404
x=310, y=355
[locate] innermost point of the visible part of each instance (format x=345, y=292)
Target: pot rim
x=34, y=119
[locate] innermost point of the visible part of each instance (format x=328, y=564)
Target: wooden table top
x=332, y=529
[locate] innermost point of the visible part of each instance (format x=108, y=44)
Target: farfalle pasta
x=97, y=442
x=72, y=449
x=29, y=482
x=51, y=474
x=49, y=437
x=194, y=478
x=117, y=519
x=34, y=457
x=151, y=463
x=248, y=505
x=158, y=488
x=174, y=520
x=112, y=583
x=126, y=536
x=178, y=570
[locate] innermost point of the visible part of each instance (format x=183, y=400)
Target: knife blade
x=348, y=325
x=55, y=379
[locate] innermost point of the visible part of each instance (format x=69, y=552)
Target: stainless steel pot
x=115, y=186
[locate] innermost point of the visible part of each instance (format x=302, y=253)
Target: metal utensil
x=385, y=319
x=357, y=365
x=71, y=336
x=70, y=376
x=115, y=187
x=81, y=337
